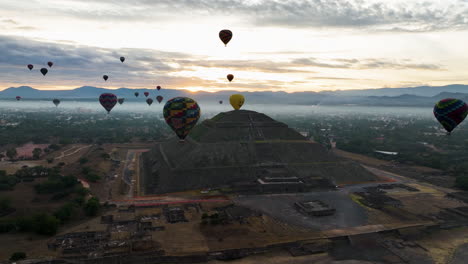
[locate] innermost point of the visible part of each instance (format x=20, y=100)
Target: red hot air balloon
x=159, y=98
x=122, y=59
x=44, y=71
x=225, y=35
x=30, y=66
x=146, y=94
x=108, y=101
x=230, y=77
x=105, y=77
x=50, y=64
x=158, y=87
x=18, y=98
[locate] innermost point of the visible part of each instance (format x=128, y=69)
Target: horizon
x=288, y=46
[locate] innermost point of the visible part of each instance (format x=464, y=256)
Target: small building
x=175, y=215
x=314, y=208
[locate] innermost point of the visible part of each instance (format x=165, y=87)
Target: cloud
x=364, y=64
x=396, y=15
x=245, y=65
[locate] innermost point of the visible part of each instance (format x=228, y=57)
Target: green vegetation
x=92, y=206
x=90, y=175
x=37, y=153
x=57, y=183
x=11, y=153
x=5, y=206
x=462, y=182
x=17, y=256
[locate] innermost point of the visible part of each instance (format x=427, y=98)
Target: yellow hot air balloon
x=237, y=100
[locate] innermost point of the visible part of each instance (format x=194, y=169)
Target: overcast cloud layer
x=293, y=45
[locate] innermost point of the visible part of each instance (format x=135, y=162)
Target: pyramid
x=245, y=151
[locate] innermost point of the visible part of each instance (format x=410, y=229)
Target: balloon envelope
x=450, y=113
x=220, y=101
x=146, y=94
x=158, y=87
x=105, y=77
x=18, y=98
x=237, y=100
x=121, y=100
x=50, y=63
x=181, y=114
x=149, y=101
x=159, y=98
x=56, y=102
x=136, y=94
x=225, y=35
x=30, y=66
x=44, y=71
x=108, y=101
x=122, y=59
x=230, y=77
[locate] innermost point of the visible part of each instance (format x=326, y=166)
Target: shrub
x=17, y=256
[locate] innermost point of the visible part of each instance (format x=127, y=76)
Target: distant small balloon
x=146, y=94
x=159, y=98
x=30, y=66
x=122, y=59
x=220, y=101
x=136, y=94
x=44, y=71
x=230, y=77
x=158, y=87
x=149, y=101
x=105, y=77
x=225, y=35
x=121, y=100
x=56, y=102
x=50, y=64
x=18, y=98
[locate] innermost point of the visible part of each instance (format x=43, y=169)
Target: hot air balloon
x=159, y=98
x=149, y=101
x=220, y=101
x=236, y=100
x=136, y=94
x=122, y=59
x=50, y=64
x=225, y=35
x=121, y=100
x=108, y=101
x=450, y=113
x=158, y=87
x=44, y=71
x=181, y=114
x=146, y=94
x=56, y=102
x=105, y=77
x=30, y=66
x=230, y=77
x=18, y=98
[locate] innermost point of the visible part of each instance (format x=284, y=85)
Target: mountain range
x=411, y=96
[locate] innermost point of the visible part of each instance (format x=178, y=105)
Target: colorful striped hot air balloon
x=450, y=113
x=108, y=101
x=181, y=114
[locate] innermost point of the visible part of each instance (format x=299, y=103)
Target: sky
x=277, y=45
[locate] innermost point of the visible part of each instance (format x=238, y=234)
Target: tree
x=45, y=224
x=17, y=256
x=37, y=153
x=92, y=206
x=5, y=205
x=11, y=153
x=83, y=160
x=462, y=182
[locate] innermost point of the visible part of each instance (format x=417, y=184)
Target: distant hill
x=413, y=96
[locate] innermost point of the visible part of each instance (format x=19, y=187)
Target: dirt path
x=63, y=155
